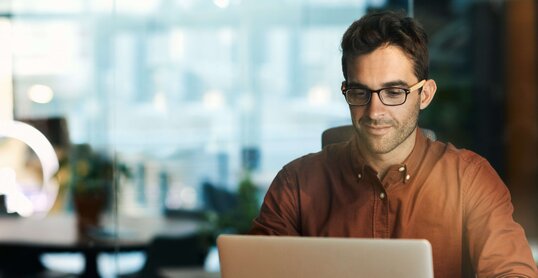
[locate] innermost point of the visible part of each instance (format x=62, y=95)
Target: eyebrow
x=394, y=83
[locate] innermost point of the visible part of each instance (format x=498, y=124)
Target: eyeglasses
x=391, y=96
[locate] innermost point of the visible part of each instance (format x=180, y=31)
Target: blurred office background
x=185, y=95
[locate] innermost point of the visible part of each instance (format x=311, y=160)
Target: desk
x=58, y=233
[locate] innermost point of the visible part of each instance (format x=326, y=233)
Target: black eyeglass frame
x=407, y=91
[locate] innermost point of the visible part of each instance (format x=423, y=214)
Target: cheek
x=409, y=115
x=356, y=112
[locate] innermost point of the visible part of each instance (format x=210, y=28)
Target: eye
x=358, y=93
x=393, y=92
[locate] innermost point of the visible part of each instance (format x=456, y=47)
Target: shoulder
x=329, y=156
x=471, y=169
x=316, y=169
x=461, y=157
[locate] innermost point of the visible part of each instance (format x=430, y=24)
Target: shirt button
x=382, y=195
x=407, y=177
x=401, y=169
x=359, y=176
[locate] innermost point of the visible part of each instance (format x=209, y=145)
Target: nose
x=375, y=108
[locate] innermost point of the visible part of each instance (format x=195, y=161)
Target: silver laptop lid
x=309, y=257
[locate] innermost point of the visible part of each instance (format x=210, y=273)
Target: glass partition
x=175, y=115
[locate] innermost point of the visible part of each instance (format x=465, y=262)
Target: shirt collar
x=410, y=164
x=357, y=161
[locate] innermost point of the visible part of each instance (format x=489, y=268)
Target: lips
x=377, y=129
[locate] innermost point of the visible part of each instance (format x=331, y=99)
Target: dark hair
x=387, y=28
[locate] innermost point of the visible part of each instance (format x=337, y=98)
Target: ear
x=427, y=94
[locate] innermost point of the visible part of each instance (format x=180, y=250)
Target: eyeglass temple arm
x=418, y=85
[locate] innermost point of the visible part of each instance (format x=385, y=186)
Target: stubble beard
x=390, y=141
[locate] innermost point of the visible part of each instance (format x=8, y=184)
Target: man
x=389, y=180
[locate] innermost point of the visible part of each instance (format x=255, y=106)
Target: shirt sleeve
x=279, y=214
x=497, y=244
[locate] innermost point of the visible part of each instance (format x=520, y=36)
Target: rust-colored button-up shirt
x=449, y=196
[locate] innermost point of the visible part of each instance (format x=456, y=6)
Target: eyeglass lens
x=389, y=96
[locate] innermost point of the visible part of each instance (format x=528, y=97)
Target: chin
x=381, y=144
x=381, y=148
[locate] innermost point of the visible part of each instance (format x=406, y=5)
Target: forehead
x=384, y=64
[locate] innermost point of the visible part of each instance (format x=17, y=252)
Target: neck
x=381, y=162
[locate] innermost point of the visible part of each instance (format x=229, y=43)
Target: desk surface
x=60, y=232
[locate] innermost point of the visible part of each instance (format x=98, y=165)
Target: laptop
x=315, y=257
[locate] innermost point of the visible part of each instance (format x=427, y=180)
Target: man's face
x=381, y=129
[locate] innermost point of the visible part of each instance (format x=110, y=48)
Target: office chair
x=343, y=133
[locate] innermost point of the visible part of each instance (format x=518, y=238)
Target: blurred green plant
x=237, y=219
x=86, y=171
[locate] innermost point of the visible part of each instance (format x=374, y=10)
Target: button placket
x=403, y=169
x=381, y=218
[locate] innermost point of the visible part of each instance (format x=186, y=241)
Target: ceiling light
x=40, y=93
